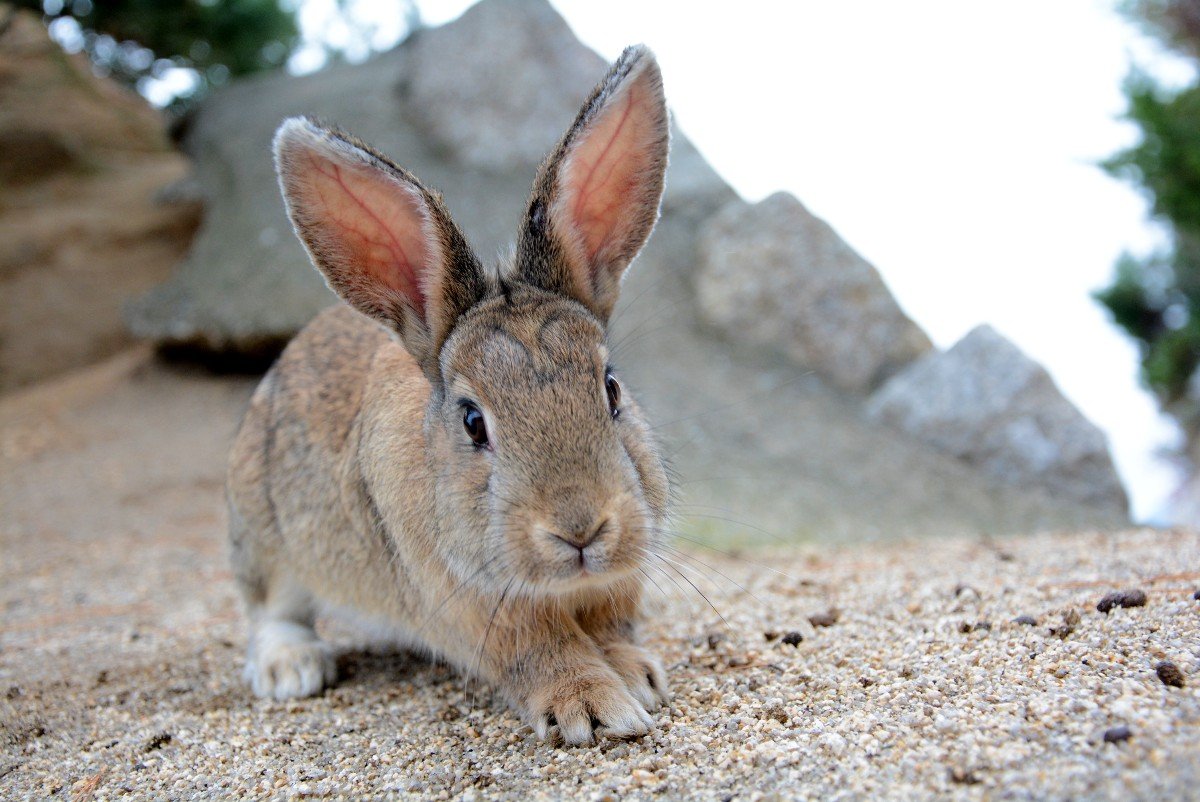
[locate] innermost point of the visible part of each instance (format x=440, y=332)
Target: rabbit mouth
x=581, y=560
x=576, y=546
x=571, y=562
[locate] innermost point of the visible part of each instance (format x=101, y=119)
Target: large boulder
x=82, y=229
x=988, y=404
x=471, y=108
x=773, y=275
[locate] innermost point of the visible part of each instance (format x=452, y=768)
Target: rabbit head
x=549, y=479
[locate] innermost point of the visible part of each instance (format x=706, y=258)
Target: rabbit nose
x=582, y=538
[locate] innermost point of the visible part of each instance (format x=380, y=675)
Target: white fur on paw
x=584, y=707
x=288, y=661
x=643, y=674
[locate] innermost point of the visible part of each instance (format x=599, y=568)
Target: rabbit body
x=451, y=453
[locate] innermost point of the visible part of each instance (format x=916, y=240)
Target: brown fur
x=353, y=484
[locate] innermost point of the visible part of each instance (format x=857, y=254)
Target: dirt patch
x=816, y=671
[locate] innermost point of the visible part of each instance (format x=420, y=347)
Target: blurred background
x=1034, y=168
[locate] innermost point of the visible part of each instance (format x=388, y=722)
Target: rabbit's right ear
x=384, y=243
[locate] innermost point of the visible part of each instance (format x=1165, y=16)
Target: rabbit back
x=295, y=473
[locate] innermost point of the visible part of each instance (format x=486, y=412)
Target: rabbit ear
x=384, y=243
x=596, y=198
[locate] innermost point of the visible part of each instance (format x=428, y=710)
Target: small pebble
x=1025, y=620
x=1169, y=674
x=964, y=777
x=1196, y=595
x=157, y=742
x=793, y=638
x=778, y=712
x=643, y=777
x=1070, y=621
x=1116, y=735
x=825, y=619
x=1122, y=598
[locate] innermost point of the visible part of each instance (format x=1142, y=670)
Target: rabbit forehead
x=531, y=339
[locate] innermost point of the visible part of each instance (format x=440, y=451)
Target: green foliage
x=1131, y=304
x=1156, y=299
x=1167, y=160
x=134, y=39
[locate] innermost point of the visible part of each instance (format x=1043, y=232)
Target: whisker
x=453, y=593
x=708, y=516
x=630, y=304
x=683, y=554
x=662, y=317
x=486, y=634
x=650, y=579
x=693, y=584
x=731, y=555
x=668, y=576
x=637, y=335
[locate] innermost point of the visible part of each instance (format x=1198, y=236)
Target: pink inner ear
x=604, y=170
x=379, y=225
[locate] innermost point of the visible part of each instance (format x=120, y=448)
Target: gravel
x=121, y=650
x=894, y=700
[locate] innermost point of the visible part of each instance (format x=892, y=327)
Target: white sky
x=952, y=144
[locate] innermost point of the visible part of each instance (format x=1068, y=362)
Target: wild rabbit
x=451, y=453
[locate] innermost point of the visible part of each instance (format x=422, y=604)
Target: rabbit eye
x=614, y=395
x=475, y=425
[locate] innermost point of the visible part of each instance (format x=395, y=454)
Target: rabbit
x=450, y=451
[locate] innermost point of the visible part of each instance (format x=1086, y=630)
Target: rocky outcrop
x=757, y=421
x=82, y=162
x=773, y=275
x=471, y=107
x=991, y=406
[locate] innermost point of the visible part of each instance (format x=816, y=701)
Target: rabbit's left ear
x=596, y=198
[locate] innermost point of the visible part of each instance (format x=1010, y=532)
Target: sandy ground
x=121, y=651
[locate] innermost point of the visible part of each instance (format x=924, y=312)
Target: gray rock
x=693, y=190
x=987, y=403
x=492, y=90
x=752, y=440
x=247, y=286
x=771, y=274
x=1183, y=506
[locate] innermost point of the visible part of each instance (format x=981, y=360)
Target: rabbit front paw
x=289, y=661
x=642, y=672
x=586, y=703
